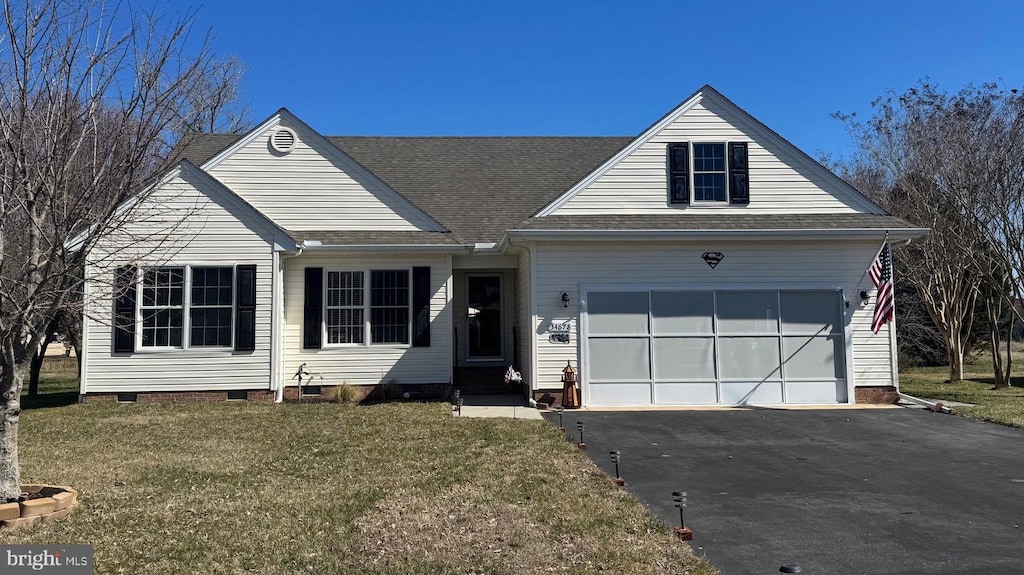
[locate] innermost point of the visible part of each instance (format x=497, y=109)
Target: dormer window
x=708, y=173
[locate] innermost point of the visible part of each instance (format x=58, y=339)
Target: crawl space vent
x=283, y=140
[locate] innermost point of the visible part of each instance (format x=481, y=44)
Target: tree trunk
x=10, y=403
x=1000, y=371
x=955, y=352
x=36, y=368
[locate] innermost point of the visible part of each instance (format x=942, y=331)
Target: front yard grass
x=383, y=489
x=1005, y=406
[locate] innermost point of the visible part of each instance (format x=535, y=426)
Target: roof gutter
x=898, y=234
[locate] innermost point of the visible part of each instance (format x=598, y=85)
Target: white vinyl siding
x=210, y=235
x=782, y=181
x=311, y=188
x=376, y=363
x=678, y=265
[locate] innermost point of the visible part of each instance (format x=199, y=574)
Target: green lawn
x=330, y=488
x=1005, y=406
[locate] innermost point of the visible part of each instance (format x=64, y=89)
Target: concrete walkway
x=514, y=406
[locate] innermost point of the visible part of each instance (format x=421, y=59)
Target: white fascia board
x=386, y=248
x=640, y=140
x=899, y=234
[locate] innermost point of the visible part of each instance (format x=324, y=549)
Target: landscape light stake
x=456, y=395
x=682, y=531
x=460, y=401
x=615, y=456
x=561, y=411
x=582, y=445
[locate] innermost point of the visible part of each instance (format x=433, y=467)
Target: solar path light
x=682, y=531
x=561, y=412
x=579, y=427
x=615, y=456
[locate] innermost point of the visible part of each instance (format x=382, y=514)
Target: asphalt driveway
x=852, y=492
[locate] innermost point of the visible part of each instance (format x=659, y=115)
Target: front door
x=483, y=318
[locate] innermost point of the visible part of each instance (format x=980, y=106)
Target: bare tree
x=894, y=173
x=955, y=163
x=91, y=99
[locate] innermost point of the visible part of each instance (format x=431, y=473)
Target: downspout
x=278, y=344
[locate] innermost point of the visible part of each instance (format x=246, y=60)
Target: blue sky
x=602, y=68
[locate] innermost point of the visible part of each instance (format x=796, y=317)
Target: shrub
x=344, y=393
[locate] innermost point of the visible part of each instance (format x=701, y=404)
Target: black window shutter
x=313, y=309
x=679, y=173
x=125, y=286
x=739, y=182
x=245, y=305
x=421, y=307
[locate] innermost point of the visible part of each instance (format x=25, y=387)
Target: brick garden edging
x=54, y=506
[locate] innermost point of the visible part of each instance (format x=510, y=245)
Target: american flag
x=881, y=275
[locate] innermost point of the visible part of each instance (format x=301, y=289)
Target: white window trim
x=367, y=307
x=693, y=174
x=186, y=315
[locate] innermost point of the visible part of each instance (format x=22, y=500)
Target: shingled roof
x=477, y=187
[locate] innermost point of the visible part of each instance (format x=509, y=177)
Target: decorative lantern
x=570, y=395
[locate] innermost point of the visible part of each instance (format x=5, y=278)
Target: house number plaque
x=559, y=332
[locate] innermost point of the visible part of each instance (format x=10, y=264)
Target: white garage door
x=665, y=347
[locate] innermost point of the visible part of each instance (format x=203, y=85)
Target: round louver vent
x=283, y=140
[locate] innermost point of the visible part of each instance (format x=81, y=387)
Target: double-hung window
x=345, y=307
x=367, y=306
x=389, y=306
x=708, y=173
x=185, y=306
x=211, y=306
x=201, y=297
x=163, y=306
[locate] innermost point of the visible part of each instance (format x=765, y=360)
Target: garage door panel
x=618, y=312
x=815, y=392
x=741, y=393
x=688, y=393
x=753, y=358
x=618, y=358
x=619, y=393
x=678, y=358
x=676, y=312
x=747, y=312
x=812, y=312
x=813, y=357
